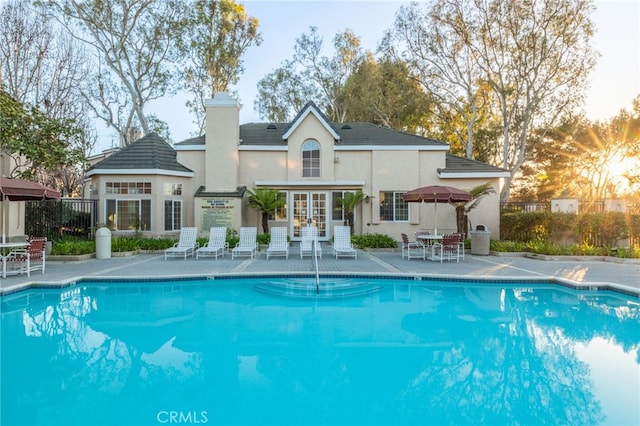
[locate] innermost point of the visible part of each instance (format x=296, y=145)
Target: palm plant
x=267, y=201
x=465, y=207
x=349, y=202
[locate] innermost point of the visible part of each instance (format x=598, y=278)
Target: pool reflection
x=410, y=353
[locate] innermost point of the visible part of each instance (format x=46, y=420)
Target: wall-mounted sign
x=217, y=212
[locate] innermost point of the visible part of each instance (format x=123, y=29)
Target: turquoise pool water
x=364, y=352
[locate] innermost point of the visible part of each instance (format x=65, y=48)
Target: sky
x=615, y=82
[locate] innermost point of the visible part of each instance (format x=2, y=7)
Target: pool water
x=266, y=351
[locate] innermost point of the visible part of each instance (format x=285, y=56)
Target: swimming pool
x=366, y=351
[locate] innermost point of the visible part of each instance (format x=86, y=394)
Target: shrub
x=374, y=241
x=72, y=248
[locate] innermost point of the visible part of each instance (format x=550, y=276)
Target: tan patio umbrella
x=14, y=189
x=436, y=194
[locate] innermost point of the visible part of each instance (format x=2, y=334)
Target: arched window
x=311, y=159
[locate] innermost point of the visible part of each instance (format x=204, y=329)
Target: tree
x=266, y=201
x=135, y=52
x=534, y=58
x=349, y=202
x=385, y=92
x=33, y=140
x=320, y=78
x=41, y=65
x=462, y=209
x=212, y=41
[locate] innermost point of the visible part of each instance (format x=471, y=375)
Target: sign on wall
x=217, y=212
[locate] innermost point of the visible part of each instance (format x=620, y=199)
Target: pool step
x=329, y=287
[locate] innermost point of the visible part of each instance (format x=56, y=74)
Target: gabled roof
x=463, y=167
x=149, y=154
x=310, y=108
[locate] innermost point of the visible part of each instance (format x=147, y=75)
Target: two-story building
x=158, y=188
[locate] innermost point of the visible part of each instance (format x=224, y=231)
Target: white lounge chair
x=278, y=245
x=247, y=244
x=342, y=242
x=186, y=244
x=217, y=244
x=309, y=234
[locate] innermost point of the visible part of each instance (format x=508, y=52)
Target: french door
x=309, y=207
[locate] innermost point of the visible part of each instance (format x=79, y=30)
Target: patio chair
x=217, y=244
x=448, y=249
x=247, y=244
x=278, y=245
x=30, y=258
x=309, y=234
x=342, y=242
x=412, y=249
x=186, y=245
x=460, y=243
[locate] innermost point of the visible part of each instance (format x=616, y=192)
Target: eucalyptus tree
x=44, y=68
x=212, y=41
x=135, y=54
x=528, y=61
x=312, y=75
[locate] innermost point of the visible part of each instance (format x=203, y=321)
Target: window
x=172, y=215
x=128, y=187
x=392, y=207
x=311, y=159
x=128, y=215
x=172, y=189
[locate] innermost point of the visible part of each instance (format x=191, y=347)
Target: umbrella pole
x=435, y=218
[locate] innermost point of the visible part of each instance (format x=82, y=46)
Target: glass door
x=309, y=207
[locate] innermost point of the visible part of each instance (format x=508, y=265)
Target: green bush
x=374, y=241
x=72, y=248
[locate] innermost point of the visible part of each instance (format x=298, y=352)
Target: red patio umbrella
x=14, y=189
x=437, y=194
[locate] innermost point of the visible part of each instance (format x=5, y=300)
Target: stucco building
x=202, y=181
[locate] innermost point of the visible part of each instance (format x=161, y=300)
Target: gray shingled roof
x=455, y=164
x=351, y=134
x=148, y=152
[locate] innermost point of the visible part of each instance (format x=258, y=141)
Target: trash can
x=103, y=243
x=480, y=239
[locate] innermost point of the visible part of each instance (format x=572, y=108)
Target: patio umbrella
x=436, y=194
x=14, y=189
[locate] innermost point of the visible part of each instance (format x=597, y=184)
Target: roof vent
x=271, y=127
x=345, y=127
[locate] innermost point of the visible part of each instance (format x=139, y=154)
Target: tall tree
x=319, y=77
x=41, y=65
x=533, y=56
x=135, y=52
x=385, y=92
x=213, y=40
x=33, y=140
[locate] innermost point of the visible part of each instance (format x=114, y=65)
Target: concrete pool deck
x=588, y=272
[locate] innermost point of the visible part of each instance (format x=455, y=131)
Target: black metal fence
x=56, y=219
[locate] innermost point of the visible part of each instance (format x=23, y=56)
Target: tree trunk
x=265, y=222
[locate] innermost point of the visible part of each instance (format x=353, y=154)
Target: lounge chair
x=309, y=234
x=217, y=244
x=342, y=242
x=186, y=244
x=27, y=259
x=278, y=245
x=448, y=249
x=412, y=249
x=247, y=244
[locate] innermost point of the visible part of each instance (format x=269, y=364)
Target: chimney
x=222, y=138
